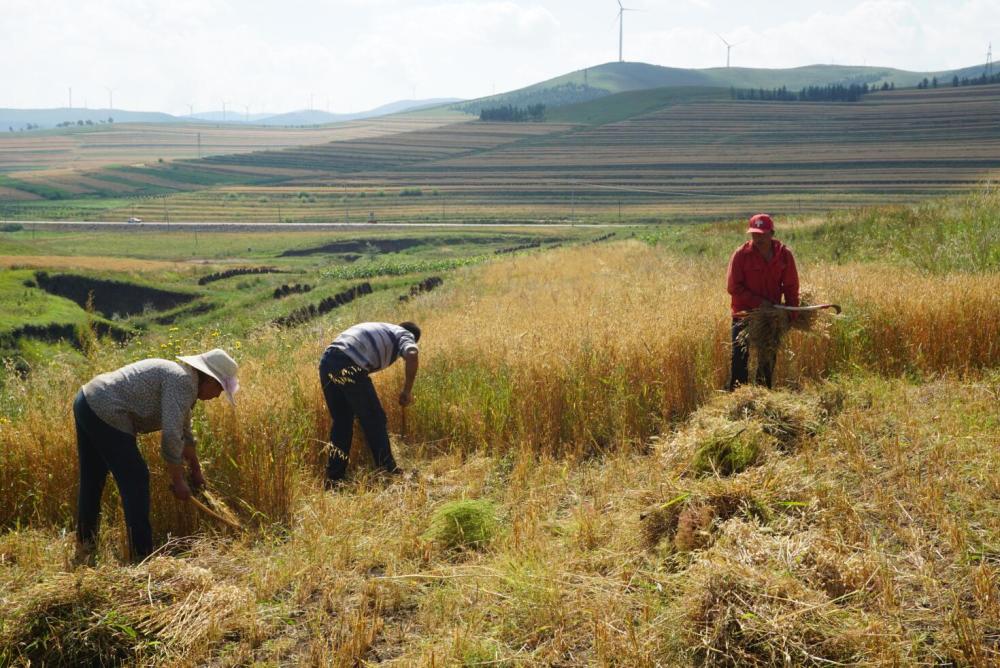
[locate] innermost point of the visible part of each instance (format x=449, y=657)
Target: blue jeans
x=739, y=371
x=349, y=393
x=102, y=448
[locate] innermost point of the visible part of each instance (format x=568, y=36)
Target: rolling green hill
x=610, y=78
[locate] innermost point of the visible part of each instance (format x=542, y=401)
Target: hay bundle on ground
x=789, y=418
x=751, y=602
x=115, y=616
x=738, y=430
x=689, y=519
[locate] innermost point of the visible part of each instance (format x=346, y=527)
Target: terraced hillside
x=632, y=157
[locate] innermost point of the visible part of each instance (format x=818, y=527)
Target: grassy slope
x=626, y=105
x=614, y=77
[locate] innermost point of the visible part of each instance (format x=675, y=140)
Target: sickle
x=814, y=307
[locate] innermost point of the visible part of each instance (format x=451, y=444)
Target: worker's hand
x=405, y=398
x=197, y=478
x=181, y=490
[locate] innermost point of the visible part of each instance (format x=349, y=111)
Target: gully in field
x=147, y=396
x=761, y=271
x=344, y=374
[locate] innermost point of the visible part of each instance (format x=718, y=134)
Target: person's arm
x=175, y=425
x=736, y=283
x=412, y=360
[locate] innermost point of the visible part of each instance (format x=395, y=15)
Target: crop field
x=87, y=148
x=683, y=156
x=581, y=491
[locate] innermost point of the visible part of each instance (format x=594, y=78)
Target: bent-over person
x=143, y=397
x=344, y=375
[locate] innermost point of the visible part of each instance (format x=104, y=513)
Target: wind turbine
x=621, y=27
x=111, y=92
x=729, y=47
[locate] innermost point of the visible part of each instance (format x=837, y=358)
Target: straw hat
x=219, y=365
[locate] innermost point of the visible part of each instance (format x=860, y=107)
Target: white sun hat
x=219, y=365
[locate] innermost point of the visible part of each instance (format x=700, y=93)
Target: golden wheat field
x=584, y=493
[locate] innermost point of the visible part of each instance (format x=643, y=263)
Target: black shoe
x=331, y=484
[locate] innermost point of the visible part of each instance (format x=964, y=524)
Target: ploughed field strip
x=397, y=150
x=132, y=143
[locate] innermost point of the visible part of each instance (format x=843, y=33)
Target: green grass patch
x=40, y=189
x=464, y=523
x=26, y=304
x=632, y=103
x=729, y=452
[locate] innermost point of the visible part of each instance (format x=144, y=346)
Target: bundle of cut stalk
x=210, y=504
x=766, y=327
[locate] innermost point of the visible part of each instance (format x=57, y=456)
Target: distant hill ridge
x=19, y=119
x=610, y=78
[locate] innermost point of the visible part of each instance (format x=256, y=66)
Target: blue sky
x=349, y=55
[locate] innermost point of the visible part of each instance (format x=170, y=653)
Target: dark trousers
x=103, y=448
x=349, y=393
x=739, y=372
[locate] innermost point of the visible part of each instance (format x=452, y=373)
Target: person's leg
x=364, y=401
x=332, y=380
x=765, y=369
x=739, y=370
x=93, y=474
x=132, y=477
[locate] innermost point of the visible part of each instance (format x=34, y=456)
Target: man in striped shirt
x=344, y=374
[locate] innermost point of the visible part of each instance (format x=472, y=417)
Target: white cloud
x=161, y=54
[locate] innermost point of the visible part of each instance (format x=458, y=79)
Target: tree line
x=982, y=80
x=510, y=113
x=830, y=93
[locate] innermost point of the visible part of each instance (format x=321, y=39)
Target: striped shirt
x=374, y=345
x=147, y=396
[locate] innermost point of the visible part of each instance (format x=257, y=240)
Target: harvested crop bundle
x=767, y=326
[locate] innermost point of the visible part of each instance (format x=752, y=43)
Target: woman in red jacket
x=761, y=272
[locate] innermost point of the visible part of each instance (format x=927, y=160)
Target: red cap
x=761, y=224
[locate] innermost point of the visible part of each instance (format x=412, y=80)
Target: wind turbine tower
x=729, y=48
x=621, y=27
x=989, y=60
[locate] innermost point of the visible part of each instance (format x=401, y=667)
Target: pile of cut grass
x=113, y=615
x=466, y=523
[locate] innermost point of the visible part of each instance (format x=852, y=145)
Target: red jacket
x=751, y=278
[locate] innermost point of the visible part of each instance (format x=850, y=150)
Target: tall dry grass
x=573, y=352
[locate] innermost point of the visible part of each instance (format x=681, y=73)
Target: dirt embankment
x=110, y=298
